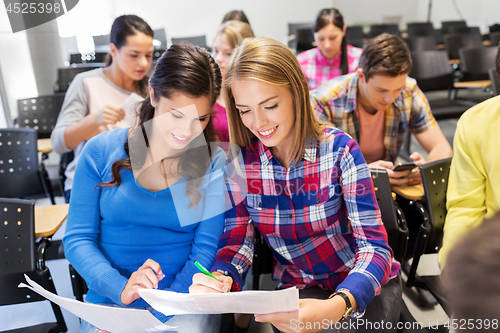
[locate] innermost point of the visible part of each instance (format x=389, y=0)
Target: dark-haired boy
x=378, y=104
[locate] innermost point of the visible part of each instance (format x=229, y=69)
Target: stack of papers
x=109, y=318
x=252, y=302
x=127, y=320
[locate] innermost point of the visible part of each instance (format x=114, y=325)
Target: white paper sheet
x=253, y=302
x=112, y=319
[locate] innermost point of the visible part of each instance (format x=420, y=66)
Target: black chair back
x=161, y=36
x=305, y=40
x=378, y=29
x=453, y=43
x=18, y=236
x=495, y=82
x=293, y=29
x=263, y=259
x=392, y=216
x=476, y=61
x=463, y=30
x=421, y=43
x=40, y=113
x=78, y=283
x=85, y=58
x=354, y=32
x=66, y=75
x=195, y=40
x=20, y=256
x=435, y=181
x=495, y=38
x=420, y=29
x=19, y=173
x=18, y=250
x=432, y=70
x=446, y=25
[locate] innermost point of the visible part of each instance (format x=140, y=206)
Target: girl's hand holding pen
x=147, y=276
x=204, y=284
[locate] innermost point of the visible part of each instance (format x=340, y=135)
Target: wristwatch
x=348, y=304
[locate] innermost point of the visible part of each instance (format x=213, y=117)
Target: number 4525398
x=475, y=324
x=33, y=8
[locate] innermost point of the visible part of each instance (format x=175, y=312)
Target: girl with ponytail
x=146, y=203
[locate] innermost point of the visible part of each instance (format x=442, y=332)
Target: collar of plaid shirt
x=392, y=115
x=324, y=61
x=309, y=154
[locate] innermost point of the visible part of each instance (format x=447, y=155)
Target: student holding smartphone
x=379, y=104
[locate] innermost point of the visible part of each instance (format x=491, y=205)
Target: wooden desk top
x=44, y=145
x=454, y=61
x=49, y=218
x=473, y=84
x=413, y=192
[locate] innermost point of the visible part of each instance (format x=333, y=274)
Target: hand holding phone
x=404, y=167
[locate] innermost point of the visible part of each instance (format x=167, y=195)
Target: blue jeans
x=185, y=324
x=67, y=195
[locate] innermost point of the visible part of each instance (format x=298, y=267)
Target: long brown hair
x=187, y=69
x=124, y=26
x=269, y=61
x=332, y=16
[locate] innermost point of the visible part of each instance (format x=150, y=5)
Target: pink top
x=371, y=136
x=219, y=119
x=319, y=69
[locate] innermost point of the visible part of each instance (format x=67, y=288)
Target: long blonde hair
x=234, y=32
x=271, y=62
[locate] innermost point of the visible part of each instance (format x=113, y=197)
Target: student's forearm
x=80, y=131
x=439, y=152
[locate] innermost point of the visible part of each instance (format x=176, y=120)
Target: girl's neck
x=119, y=78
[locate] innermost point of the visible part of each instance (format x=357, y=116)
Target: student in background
x=378, y=104
x=333, y=56
x=229, y=36
x=93, y=101
x=309, y=194
x=474, y=184
x=471, y=277
x=146, y=203
x=235, y=15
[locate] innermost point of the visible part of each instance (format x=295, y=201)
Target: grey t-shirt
x=89, y=92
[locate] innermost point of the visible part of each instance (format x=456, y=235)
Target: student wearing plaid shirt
x=332, y=57
x=309, y=194
x=378, y=104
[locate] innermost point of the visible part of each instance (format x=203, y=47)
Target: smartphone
x=404, y=167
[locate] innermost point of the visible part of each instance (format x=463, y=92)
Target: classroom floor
x=25, y=314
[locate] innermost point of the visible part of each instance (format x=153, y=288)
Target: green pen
x=205, y=271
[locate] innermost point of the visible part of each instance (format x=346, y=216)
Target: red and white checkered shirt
x=319, y=69
x=320, y=217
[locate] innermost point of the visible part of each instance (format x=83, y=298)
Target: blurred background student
x=237, y=15
x=333, y=56
x=93, y=102
x=229, y=36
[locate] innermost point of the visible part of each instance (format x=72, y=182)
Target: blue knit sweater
x=111, y=232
